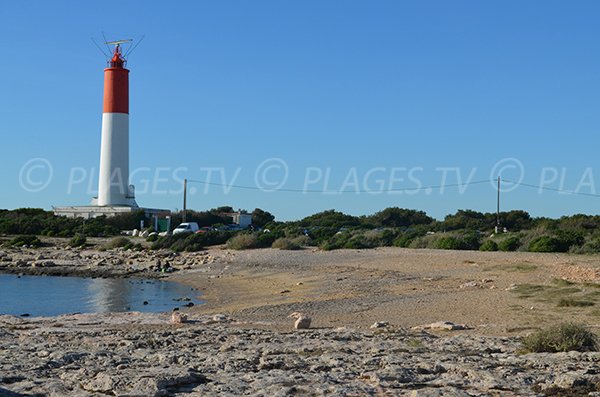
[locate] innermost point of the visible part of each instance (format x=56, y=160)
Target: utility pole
x=184, y=199
x=498, y=208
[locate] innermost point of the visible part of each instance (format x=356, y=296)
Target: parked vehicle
x=186, y=227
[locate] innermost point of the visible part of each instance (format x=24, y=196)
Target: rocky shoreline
x=67, y=261
x=242, y=343
x=134, y=354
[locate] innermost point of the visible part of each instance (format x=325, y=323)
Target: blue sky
x=415, y=93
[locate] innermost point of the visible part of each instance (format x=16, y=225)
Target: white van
x=187, y=227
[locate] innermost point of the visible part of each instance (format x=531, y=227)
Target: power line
x=407, y=189
x=552, y=189
x=355, y=191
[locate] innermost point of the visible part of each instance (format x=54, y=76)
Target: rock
x=379, y=324
x=144, y=234
x=470, y=284
x=178, y=318
x=135, y=233
x=302, y=320
x=442, y=325
x=220, y=318
x=102, y=383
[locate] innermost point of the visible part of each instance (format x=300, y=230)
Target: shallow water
x=51, y=296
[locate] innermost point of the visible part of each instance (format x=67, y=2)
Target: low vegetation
x=78, y=240
x=330, y=230
x=561, y=338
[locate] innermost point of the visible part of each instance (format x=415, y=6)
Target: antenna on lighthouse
x=118, y=42
x=122, y=48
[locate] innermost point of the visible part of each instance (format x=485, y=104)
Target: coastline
x=251, y=348
x=404, y=287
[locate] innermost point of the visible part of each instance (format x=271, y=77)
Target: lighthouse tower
x=115, y=195
x=113, y=186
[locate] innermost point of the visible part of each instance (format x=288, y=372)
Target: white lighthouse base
x=129, y=202
x=94, y=211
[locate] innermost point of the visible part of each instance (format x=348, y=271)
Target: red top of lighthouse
x=117, y=60
x=116, y=84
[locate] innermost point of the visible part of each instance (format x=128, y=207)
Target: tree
x=260, y=218
x=399, y=217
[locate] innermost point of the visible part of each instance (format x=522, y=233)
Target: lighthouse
x=115, y=194
x=113, y=184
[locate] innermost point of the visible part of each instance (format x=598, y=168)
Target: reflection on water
x=50, y=296
x=109, y=295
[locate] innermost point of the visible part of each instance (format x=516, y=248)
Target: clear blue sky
x=349, y=86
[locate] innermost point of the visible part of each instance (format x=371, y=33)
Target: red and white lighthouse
x=113, y=186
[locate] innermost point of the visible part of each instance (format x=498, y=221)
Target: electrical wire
x=412, y=189
x=552, y=189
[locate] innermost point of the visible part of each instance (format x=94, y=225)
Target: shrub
x=133, y=247
x=509, y=244
x=265, y=240
x=303, y=240
x=117, y=242
x=339, y=240
x=152, y=238
x=546, y=244
x=357, y=242
x=27, y=240
x=468, y=241
x=243, y=241
x=191, y=242
x=286, y=243
x=78, y=240
x=561, y=338
x=489, y=245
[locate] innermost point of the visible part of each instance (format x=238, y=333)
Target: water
x=51, y=296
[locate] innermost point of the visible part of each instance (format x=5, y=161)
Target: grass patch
x=521, y=267
x=559, y=282
x=517, y=267
x=529, y=290
x=561, y=338
x=570, y=302
x=415, y=343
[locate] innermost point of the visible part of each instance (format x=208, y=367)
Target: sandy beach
x=404, y=287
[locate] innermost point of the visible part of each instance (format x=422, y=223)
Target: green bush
x=469, y=241
x=265, y=240
x=509, y=244
x=357, y=242
x=117, y=242
x=191, y=242
x=561, y=338
x=243, y=242
x=152, y=238
x=546, y=244
x=78, y=240
x=286, y=243
x=26, y=240
x=489, y=245
x=337, y=241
